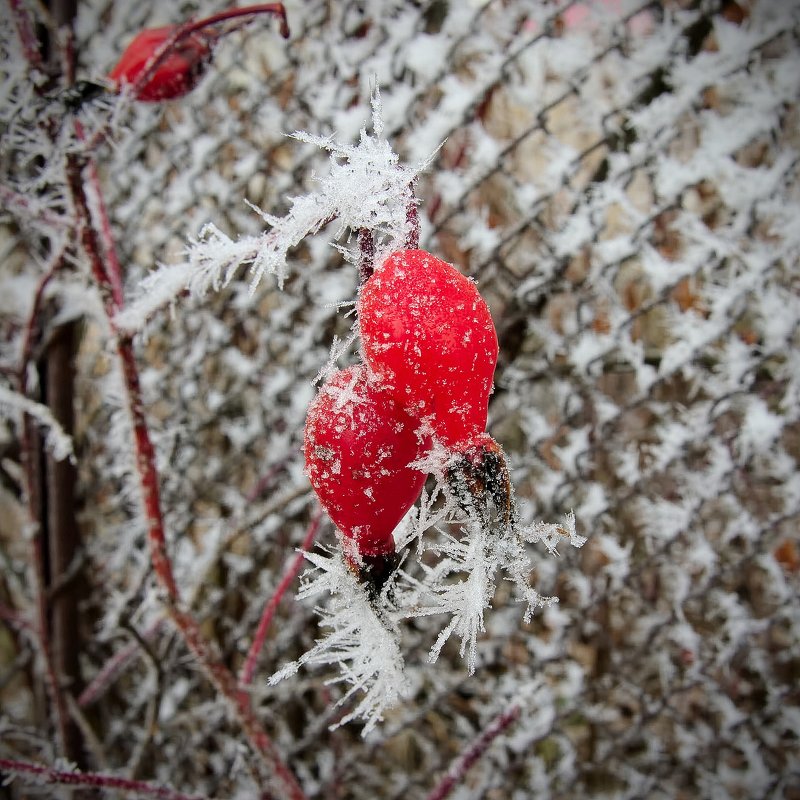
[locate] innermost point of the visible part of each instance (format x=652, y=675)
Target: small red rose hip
x=358, y=445
x=178, y=73
x=427, y=334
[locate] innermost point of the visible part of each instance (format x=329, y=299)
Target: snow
x=56, y=439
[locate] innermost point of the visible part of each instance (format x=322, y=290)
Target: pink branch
x=222, y=678
x=249, y=668
x=145, y=452
x=38, y=774
x=104, y=224
x=462, y=765
x=32, y=324
x=27, y=35
x=113, y=667
x=244, y=11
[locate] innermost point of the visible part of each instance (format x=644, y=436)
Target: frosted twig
x=366, y=188
x=289, y=575
x=58, y=441
x=104, y=226
x=187, y=625
x=168, y=47
x=39, y=774
x=459, y=768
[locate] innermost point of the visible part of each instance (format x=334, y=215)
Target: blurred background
x=621, y=180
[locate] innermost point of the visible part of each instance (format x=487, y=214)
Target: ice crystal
x=463, y=582
x=362, y=641
x=366, y=187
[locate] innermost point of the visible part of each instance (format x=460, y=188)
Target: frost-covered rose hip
x=358, y=445
x=427, y=334
x=179, y=72
x=168, y=62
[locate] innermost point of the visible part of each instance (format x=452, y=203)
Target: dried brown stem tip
x=373, y=571
x=480, y=481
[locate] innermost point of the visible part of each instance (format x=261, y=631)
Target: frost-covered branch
x=57, y=440
x=149, y=484
x=40, y=775
x=459, y=768
x=366, y=187
x=249, y=668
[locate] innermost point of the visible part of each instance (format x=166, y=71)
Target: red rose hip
x=427, y=334
x=358, y=445
x=178, y=73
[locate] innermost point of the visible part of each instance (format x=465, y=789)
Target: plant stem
x=366, y=257
x=412, y=217
x=459, y=768
x=244, y=11
x=63, y=533
x=27, y=35
x=38, y=774
x=104, y=225
x=217, y=672
x=249, y=668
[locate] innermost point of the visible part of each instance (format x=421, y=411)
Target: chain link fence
x=622, y=182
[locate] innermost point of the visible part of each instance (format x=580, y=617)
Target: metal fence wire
x=622, y=182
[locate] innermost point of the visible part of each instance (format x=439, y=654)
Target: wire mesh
x=621, y=181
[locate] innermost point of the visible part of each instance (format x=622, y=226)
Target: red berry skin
x=427, y=334
x=358, y=445
x=176, y=75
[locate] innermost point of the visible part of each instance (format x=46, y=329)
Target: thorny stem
x=249, y=668
x=459, y=768
x=188, y=627
x=38, y=774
